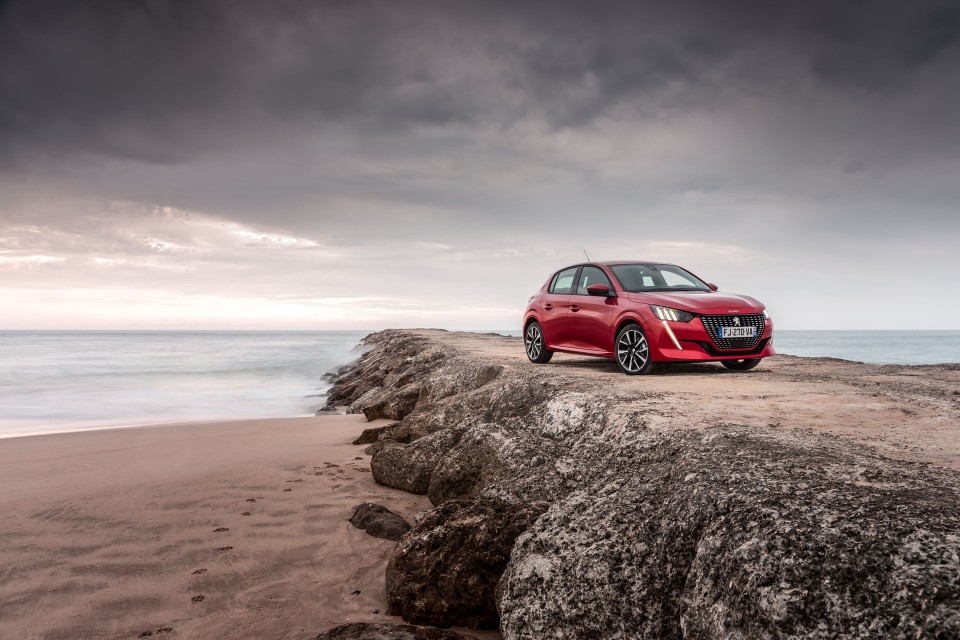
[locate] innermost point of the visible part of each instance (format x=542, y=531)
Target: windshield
x=656, y=277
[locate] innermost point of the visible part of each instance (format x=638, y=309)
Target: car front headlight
x=674, y=315
x=766, y=314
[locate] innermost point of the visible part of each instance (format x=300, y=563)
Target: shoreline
x=116, y=532
x=152, y=425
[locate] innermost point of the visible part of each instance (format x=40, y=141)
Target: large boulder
x=389, y=403
x=371, y=434
x=470, y=465
x=379, y=522
x=444, y=572
x=376, y=631
x=410, y=466
x=511, y=463
x=719, y=535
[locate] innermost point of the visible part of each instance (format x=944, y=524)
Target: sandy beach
x=213, y=530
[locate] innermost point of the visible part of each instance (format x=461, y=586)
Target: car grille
x=713, y=323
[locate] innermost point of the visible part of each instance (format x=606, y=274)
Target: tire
x=534, y=345
x=741, y=365
x=632, y=351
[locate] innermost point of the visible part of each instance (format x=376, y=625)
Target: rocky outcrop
x=375, y=631
x=369, y=436
x=657, y=526
x=410, y=466
x=446, y=571
x=379, y=522
x=387, y=403
x=677, y=541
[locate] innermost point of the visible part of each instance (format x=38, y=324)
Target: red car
x=643, y=314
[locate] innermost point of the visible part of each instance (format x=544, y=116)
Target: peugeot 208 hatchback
x=643, y=314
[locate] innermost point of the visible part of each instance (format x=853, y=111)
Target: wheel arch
x=624, y=321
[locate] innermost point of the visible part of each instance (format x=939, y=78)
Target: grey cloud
x=162, y=82
x=809, y=130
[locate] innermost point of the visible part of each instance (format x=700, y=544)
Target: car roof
x=614, y=263
x=611, y=263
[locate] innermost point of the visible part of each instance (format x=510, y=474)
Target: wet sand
x=214, y=530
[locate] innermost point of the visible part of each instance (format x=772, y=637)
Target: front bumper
x=692, y=342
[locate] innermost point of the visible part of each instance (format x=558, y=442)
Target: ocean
x=54, y=381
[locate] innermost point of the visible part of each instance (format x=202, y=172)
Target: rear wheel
x=534, y=344
x=741, y=365
x=633, y=351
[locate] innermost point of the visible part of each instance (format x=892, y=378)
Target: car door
x=555, y=308
x=590, y=322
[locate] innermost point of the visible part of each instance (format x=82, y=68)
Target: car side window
x=563, y=283
x=589, y=276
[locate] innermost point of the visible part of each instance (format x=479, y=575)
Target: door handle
x=574, y=308
x=547, y=306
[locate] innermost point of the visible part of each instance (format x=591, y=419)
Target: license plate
x=738, y=332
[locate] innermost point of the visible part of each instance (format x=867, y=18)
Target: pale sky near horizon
x=337, y=165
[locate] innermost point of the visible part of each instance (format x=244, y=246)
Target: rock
x=379, y=522
x=370, y=435
x=410, y=466
x=467, y=466
x=497, y=462
x=386, y=402
x=659, y=524
x=376, y=631
x=445, y=571
x=724, y=535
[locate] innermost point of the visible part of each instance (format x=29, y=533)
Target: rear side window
x=563, y=282
x=589, y=276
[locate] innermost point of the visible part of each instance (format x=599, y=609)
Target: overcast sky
x=359, y=164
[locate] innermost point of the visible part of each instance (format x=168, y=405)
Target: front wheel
x=533, y=343
x=633, y=351
x=741, y=365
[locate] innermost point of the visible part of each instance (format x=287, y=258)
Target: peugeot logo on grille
x=736, y=321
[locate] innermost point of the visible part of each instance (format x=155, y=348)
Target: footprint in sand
x=197, y=572
x=288, y=489
x=199, y=598
x=147, y=634
x=244, y=513
x=220, y=529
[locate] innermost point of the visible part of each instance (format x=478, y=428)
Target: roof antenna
x=588, y=257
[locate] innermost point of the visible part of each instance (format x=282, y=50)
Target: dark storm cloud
x=289, y=112
x=165, y=81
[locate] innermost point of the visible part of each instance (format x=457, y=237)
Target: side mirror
x=599, y=290
x=712, y=286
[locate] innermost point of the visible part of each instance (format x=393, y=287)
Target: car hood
x=711, y=302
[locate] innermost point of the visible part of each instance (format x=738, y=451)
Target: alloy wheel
x=533, y=341
x=632, y=351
